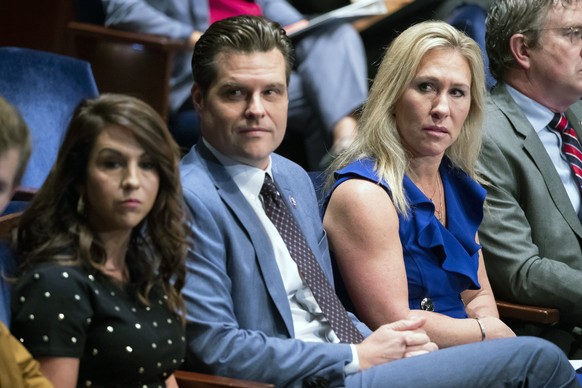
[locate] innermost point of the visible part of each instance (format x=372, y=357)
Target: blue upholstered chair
x=45, y=88
x=7, y=263
x=470, y=18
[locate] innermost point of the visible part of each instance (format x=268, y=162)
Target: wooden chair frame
x=199, y=380
x=128, y=62
x=526, y=313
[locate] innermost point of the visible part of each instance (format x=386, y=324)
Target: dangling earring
x=81, y=205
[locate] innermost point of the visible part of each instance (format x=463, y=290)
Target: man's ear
x=197, y=97
x=520, y=50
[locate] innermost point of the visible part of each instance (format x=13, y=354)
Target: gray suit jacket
x=239, y=320
x=531, y=235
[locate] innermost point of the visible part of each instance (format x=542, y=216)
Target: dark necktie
x=570, y=145
x=308, y=266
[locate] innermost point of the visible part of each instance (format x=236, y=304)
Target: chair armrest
x=535, y=314
x=118, y=36
x=200, y=380
x=24, y=194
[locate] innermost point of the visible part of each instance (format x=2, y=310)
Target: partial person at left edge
x=101, y=250
x=17, y=367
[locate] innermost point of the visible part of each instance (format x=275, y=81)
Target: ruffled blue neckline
x=449, y=243
x=454, y=245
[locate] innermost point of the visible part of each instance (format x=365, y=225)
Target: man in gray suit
x=531, y=233
x=250, y=312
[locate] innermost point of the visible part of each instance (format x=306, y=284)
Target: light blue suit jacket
x=239, y=319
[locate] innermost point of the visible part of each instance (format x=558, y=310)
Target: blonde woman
x=404, y=207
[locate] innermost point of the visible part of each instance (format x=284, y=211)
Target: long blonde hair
x=378, y=138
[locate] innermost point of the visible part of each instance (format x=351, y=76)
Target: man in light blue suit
x=250, y=314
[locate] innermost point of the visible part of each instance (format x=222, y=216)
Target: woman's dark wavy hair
x=53, y=230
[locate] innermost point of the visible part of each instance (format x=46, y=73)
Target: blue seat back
x=7, y=268
x=45, y=88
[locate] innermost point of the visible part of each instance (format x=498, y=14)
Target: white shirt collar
x=249, y=179
x=538, y=115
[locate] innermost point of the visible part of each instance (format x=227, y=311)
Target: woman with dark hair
x=102, y=250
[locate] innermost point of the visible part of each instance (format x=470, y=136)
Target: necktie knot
x=269, y=190
x=559, y=122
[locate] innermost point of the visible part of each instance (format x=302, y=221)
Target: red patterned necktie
x=309, y=268
x=570, y=145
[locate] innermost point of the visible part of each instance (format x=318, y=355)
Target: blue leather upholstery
x=470, y=18
x=7, y=267
x=45, y=88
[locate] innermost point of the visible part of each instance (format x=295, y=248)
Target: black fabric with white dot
x=63, y=311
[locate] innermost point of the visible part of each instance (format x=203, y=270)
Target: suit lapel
x=575, y=123
x=536, y=150
x=295, y=203
x=247, y=218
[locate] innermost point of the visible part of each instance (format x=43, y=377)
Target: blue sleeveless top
x=440, y=262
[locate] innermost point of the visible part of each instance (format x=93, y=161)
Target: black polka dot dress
x=63, y=311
